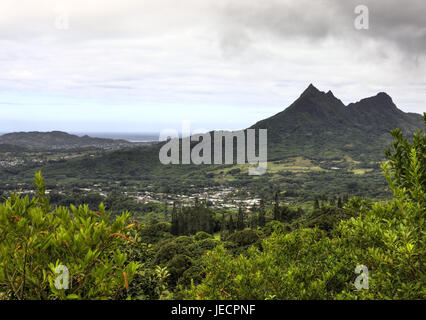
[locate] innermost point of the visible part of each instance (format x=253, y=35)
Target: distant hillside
x=11, y=148
x=57, y=140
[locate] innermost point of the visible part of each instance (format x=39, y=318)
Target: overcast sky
x=137, y=65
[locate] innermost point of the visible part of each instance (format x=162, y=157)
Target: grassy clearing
x=297, y=165
x=361, y=171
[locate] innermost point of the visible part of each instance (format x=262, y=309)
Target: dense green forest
x=273, y=251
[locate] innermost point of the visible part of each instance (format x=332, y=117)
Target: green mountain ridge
x=319, y=125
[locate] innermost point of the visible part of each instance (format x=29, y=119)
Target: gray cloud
x=401, y=23
x=241, y=57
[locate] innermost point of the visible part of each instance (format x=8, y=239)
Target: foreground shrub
x=244, y=237
x=38, y=243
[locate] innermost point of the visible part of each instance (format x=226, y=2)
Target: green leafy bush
x=169, y=249
x=202, y=235
x=244, y=237
x=177, y=266
x=152, y=233
x=36, y=240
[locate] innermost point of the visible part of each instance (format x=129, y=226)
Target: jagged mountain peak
x=381, y=98
x=330, y=93
x=313, y=93
x=381, y=102
x=316, y=102
x=383, y=95
x=385, y=99
x=311, y=89
x=320, y=116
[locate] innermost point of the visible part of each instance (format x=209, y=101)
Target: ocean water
x=129, y=136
